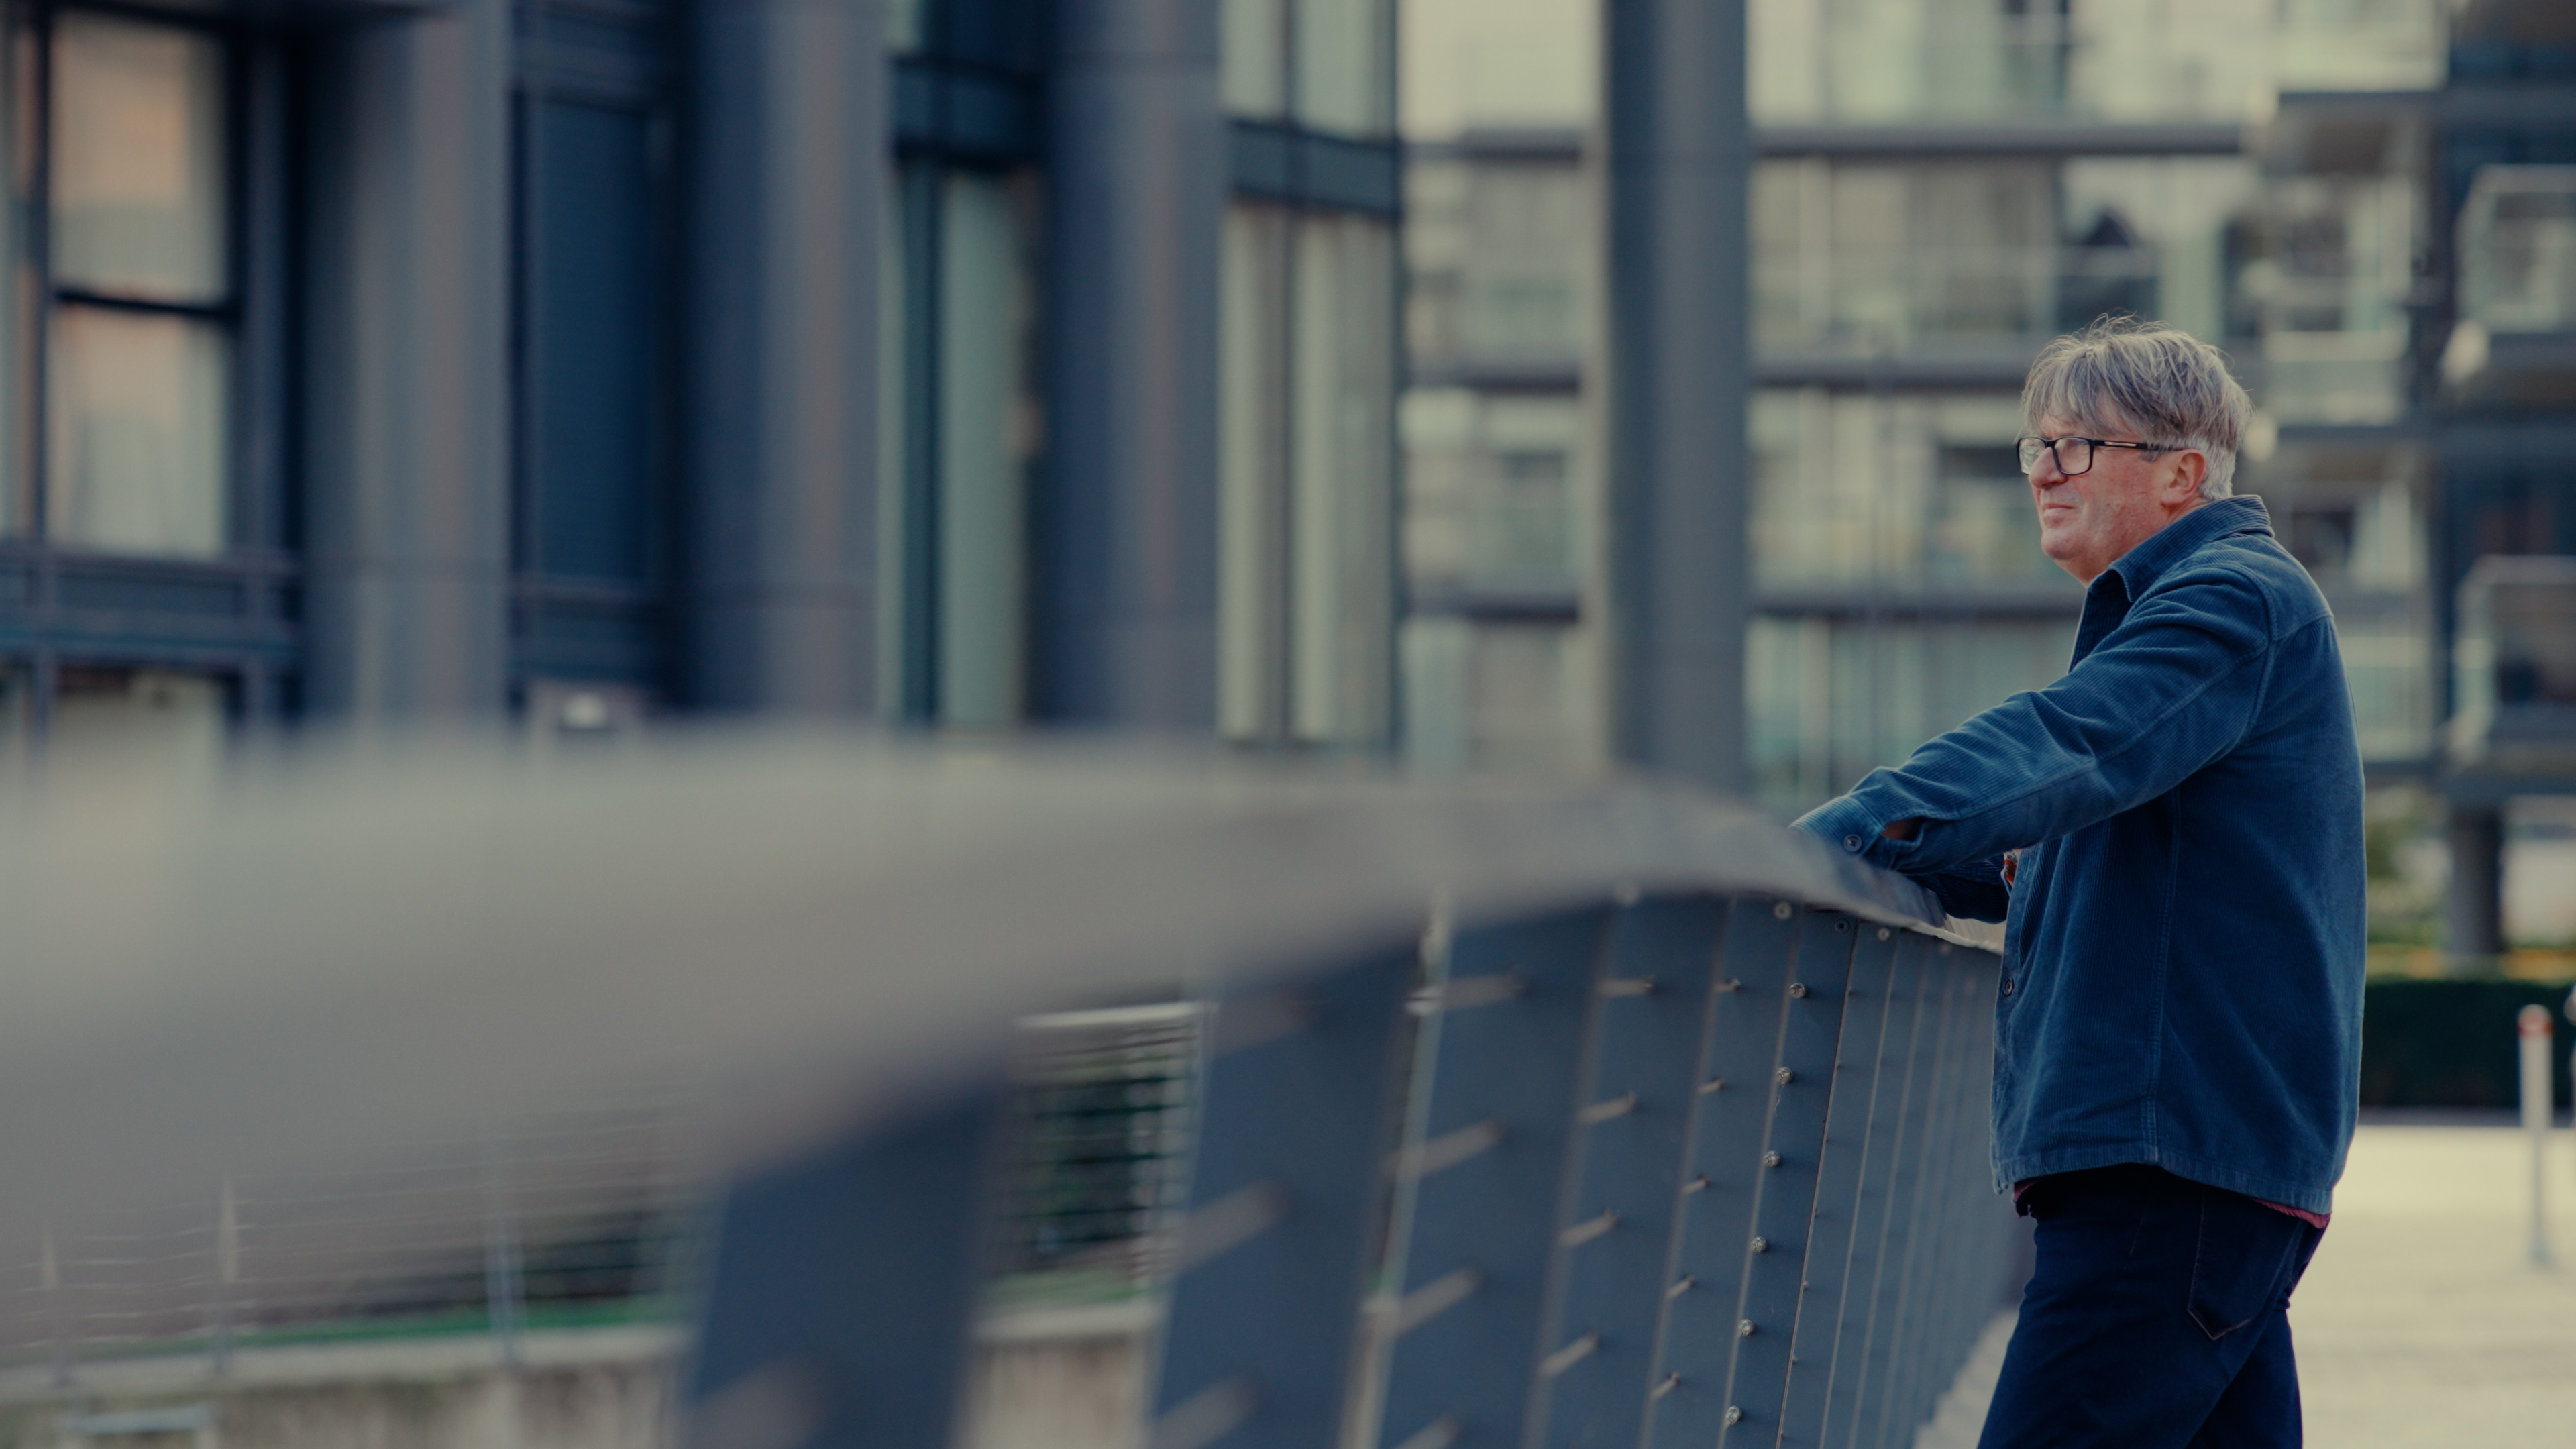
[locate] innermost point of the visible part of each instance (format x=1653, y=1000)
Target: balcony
x=2514, y=346
x=2513, y=662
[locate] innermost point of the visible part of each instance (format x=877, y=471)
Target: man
x=2174, y=832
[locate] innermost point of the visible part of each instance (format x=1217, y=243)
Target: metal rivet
x=1784, y=1076
x=1798, y=989
x=1780, y=909
x=1841, y=926
x=1762, y=1245
x=1734, y=1415
x=1884, y=933
x=1770, y=1159
x=1744, y=1329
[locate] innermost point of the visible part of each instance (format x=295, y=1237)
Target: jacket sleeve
x=2174, y=686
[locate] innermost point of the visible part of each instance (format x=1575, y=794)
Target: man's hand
x=1903, y=829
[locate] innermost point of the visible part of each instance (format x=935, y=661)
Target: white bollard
x=2531, y=1025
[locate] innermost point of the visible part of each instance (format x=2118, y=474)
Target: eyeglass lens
x=2074, y=455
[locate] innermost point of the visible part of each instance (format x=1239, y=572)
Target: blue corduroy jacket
x=2183, y=964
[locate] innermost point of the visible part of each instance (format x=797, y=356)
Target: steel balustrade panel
x=1489, y=1166
x=1976, y=1276
x=1273, y=1258
x=1918, y=1322
x=1905, y=1205
x=1926, y=1316
x=1611, y=1254
x=1969, y=1276
x=1695, y=1339
x=844, y=1285
x=1872, y=1215
x=1785, y=1199
x=1830, y=1240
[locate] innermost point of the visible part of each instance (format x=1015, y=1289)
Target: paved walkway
x=2422, y=1324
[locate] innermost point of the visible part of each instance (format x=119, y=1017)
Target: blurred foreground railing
x=1683, y=1168
x=1450, y=1114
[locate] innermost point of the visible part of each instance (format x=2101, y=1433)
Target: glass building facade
x=1940, y=186
x=379, y=362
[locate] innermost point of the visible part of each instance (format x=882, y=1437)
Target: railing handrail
x=356, y=945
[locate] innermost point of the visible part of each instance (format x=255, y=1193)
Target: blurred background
x=1244, y=371
x=1474, y=385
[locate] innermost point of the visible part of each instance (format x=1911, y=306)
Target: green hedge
x=2451, y=1043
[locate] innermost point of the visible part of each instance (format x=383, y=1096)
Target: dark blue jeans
x=2154, y=1320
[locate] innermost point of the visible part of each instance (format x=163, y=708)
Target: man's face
x=2088, y=521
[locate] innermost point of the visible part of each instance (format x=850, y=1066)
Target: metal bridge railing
x=1661, y=1127
x=1686, y=1168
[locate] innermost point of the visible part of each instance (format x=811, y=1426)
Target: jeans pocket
x=2243, y=1262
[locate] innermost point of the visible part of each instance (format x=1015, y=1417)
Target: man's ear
x=2190, y=467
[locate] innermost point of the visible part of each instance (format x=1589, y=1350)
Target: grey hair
x=2149, y=377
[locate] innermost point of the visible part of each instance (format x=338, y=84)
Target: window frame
x=232, y=615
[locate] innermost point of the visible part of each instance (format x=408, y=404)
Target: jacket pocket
x=2244, y=1263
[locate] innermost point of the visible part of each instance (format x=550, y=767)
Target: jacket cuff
x=1847, y=825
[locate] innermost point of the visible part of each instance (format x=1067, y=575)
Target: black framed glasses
x=2074, y=455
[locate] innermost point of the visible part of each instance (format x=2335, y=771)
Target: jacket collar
x=2140, y=567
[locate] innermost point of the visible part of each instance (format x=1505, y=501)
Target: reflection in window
x=138, y=175
x=136, y=428
x=1254, y=46
x=1905, y=492
x=2121, y=60
x=962, y=437
x=1502, y=697
x=1305, y=502
x=1830, y=699
x=987, y=445
x=1324, y=64
x=1342, y=442
x=1342, y=77
x=1489, y=489
x=1498, y=257
x=590, y=342
x=137, y=389
x=1871, y=257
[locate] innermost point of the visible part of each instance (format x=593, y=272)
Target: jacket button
x=1851, y=842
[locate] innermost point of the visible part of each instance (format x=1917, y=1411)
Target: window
x=962, y=439
x=1325, y=65
x=1305, y=502
x=127, y=276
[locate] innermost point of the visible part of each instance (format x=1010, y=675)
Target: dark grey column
x=1675, y=281
x=2473, y=906
x=789, y=174
x=1126, y=590
x=408, y=462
